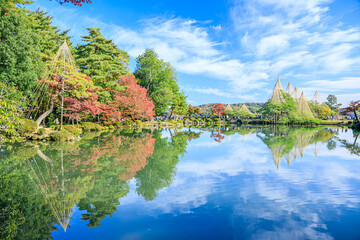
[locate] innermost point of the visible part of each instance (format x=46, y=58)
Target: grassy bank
x=28, y=129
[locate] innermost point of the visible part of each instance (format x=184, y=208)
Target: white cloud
x=272, y=44
x=217, y=27
x=243, y=176
x=292, y=38
x=344, y=84
x=213, y=91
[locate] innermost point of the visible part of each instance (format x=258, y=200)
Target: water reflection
x=292, y=142
x=44, y=184
x=352, y=146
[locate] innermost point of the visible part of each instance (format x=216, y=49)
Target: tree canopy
x=103, y=62
x=332, y=103
x=158, y=77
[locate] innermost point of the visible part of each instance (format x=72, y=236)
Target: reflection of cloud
x=290, y=202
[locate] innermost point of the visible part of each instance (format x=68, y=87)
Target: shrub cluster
x=26, y=127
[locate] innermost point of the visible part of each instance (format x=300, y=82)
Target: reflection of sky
x=233, y=189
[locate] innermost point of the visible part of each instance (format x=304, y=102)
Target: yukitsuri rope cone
x=277, y=92
x=316, y=99
x=296, y=94
x=303, y=108
x=63, y=75
x=244, y=108
x=289, y=89
x=62, y=66
x=228, y=108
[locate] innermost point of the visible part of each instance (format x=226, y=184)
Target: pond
x=191, y=183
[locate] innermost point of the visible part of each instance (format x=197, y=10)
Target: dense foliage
x=252, y=106
x=132, y=102
x=103, y=62
x=332, y=103
x=98, y=86
x=353, y=107
x=11, y=103
x=218, y=110
x=159, y=78
x=193, y=110
x=38, y=183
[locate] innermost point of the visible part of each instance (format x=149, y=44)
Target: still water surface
x=233, y=183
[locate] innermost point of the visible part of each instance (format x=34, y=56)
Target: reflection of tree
x=292, y=142
x=218, y=135
x=23, y=213
x=161, y=167
x=93, y=174
x=43, y=182
x=353, y=147
x=118, y=159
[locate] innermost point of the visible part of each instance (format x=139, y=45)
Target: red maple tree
x=353, y=107
x=132, y=103
x=75, y=2
x=218, y=109
x=79, y=108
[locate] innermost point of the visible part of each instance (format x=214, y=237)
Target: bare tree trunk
x=147, y=93
x=45, y=114
x=356, y=116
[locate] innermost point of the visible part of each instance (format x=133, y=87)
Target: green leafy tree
x=158, y=77
x=103, y=62
x=48, y=38
x=244, y=114
x=11, y=105
x=19, y=61
x=321, y=111
x=193, y=110
x=179, y=104
x=332, y=103
x=276, y=110
x=228, y=112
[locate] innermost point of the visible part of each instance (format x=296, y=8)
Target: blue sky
x=233, y=51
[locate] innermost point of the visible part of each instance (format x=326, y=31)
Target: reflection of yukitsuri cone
x=304, y=142
x=277, y=92
x=316, y=149
x=288, y=158
x=244, y=138
x=289, y=89
x=295, y=152
x=228, y=138
x=52, y=188
x=302, y=151
x=277, y=155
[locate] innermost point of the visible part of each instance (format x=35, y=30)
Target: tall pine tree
x=48, y=38
x=103, y=61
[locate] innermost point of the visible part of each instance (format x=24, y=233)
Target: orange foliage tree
x=218, y=109
x=131, y=103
